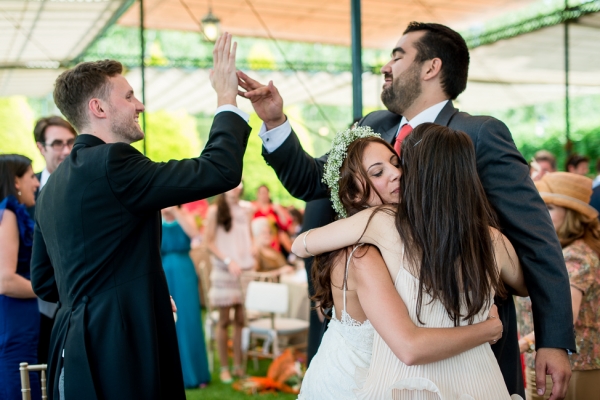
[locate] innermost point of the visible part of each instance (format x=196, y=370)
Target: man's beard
x=127, y=130
x=403, y=91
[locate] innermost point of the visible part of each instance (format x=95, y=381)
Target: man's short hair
x=39, y=132
x=545, y=155
x=442, y=42
x=75, y=87
x=574, y=160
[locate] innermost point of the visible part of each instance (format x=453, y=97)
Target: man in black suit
x=98, y=228
x=54, y=138
x=428, y=69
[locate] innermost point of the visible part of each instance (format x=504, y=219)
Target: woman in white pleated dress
x=444, y=261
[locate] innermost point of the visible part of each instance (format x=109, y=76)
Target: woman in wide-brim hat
x=567, y=197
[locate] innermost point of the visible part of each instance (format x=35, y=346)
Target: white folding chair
x=271, y=298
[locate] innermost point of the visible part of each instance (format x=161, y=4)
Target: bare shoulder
x=367, y=256
x=8, y=219
x=8, y=225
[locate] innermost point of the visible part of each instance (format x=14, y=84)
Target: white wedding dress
x=345, y=348
x=353, y=361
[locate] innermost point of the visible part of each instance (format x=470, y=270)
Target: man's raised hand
x=223, y=76
x=266, y=100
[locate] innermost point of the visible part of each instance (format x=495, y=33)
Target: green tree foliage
x=171, y=135
x=16, y=130
x=542, y=126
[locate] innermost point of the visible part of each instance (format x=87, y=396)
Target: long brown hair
x=444, y=219
x=577, y=226
x=354, y=194
x=223, y=213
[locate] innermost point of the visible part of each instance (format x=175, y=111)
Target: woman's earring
x=19, y=193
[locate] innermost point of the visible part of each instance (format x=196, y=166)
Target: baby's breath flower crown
x=337, y=154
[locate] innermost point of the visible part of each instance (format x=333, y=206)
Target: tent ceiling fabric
x=524, y=70
x=46, y=34
x=319, y=21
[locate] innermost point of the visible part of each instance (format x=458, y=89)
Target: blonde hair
x=577, y=226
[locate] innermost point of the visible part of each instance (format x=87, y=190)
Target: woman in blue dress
x=19, y=315
x=178, y=227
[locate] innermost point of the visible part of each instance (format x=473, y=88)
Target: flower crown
x=337, y=154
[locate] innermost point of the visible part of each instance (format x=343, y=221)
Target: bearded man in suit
x=428, y=70
x=96, y=247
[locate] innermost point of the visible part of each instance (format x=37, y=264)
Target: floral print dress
x=583, y=267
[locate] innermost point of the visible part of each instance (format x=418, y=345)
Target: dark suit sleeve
x=43, y=280
x=144, y=186
x=526, y=222
x=298, y=171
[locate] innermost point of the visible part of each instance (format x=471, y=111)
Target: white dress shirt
x=275, y=137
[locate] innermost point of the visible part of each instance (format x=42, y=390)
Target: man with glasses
x=54, y=137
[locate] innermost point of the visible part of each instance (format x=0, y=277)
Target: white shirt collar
x=427, y=115
x=44, y=178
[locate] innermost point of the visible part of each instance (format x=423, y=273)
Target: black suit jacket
x=521, y=212
x=96, y=250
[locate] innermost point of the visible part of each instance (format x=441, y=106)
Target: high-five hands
x=266, y=100
x=223, y=76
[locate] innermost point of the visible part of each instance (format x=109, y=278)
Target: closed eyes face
x=383, y=169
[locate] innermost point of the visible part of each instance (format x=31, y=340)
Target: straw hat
x=567, y=190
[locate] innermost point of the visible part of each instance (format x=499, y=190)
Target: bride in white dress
x=437, y=348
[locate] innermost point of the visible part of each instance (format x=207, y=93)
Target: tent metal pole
x=568, y=145
x=356, y=60
x=143, y=71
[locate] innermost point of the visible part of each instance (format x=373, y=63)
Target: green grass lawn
x=217, y=390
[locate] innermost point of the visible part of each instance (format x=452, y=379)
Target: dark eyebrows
x=398, y=50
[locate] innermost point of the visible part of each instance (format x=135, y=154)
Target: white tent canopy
x=40, y=36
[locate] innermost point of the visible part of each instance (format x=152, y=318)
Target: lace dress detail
x=344, y=350
x=472, y=375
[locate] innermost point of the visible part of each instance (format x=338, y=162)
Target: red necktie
x=406, y=129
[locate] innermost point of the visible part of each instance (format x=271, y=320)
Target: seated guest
x=267, y=258
x=19, y=315
x=543, y=161
x=567, y=196
x=578, y=164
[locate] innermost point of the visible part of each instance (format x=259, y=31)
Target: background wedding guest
x=596, y=182
x=227, y=236
x=595, y=200
x=543, y=162
x=567, y=196
x=577, y=164
x=178, y=227
x=279, y=218
x=54, y=138
x=19, y=315
x=267, y=258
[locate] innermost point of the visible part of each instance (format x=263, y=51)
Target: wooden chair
x=271, y=298
x=25, y=368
